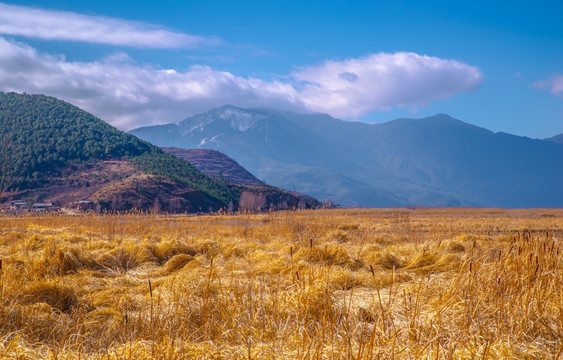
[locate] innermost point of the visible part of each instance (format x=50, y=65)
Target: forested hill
x=41, y=136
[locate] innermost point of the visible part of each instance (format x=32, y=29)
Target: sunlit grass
x=326, y=284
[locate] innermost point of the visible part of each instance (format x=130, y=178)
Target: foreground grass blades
x=338, y=284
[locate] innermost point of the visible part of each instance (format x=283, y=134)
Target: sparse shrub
x=455, y=247
x=383, y=240
x=314, y=303
x=423, y=260
x=327, y=255
x=349, y=227
x=60, y=297
x=164, y=250
x=345, y=279
x=67, y=262
x=125, y=258
x=367, y=314
x=211, y=248
x=340, y=236
x=234, y=250
x=388, y=261
x=177, y=262
x=470, y=238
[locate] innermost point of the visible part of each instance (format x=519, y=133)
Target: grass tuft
x=60, y=297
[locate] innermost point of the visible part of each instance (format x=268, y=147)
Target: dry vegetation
x=339, y=284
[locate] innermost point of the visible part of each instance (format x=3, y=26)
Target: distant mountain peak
x=439, y=121
x=223, y=118
x=558, y=139
x=239, y=119
x=443, y=116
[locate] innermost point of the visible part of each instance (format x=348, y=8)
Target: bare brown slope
x=215, y=164
x=117, y=185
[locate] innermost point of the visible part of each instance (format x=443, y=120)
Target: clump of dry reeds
x=338, y=284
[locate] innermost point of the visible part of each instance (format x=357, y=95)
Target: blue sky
x=495, y=64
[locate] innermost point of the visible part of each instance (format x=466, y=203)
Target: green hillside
x=41, y=135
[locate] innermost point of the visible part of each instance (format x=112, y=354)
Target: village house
x=40, y=207
x=84, y=205
x=18, y=205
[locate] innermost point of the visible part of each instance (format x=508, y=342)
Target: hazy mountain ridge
x=556, y=139
x=433, y=161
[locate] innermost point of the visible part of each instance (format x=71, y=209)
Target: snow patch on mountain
x=212, y=140
x=239, y=119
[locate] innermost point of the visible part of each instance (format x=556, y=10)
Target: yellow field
x=334, y=284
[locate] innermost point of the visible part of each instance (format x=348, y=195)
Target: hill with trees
x=52, y=150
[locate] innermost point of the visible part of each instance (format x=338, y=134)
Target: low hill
x=435, y=161
x=53, y=151
x=216, y=164
x=223, y=168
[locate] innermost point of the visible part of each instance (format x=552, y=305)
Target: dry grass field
x=326, y=284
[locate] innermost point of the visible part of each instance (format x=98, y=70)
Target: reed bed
x=324, y=284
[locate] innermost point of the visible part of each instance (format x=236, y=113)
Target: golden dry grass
x=334, y=284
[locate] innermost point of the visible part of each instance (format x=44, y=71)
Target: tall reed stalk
x=1, y=282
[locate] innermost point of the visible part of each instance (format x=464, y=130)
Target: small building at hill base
x=39, y=207
x=84, y=205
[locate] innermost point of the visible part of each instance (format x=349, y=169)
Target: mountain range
x=556, y=139
x=435, y=161
x=52, y=151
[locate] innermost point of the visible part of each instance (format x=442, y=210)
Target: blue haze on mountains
x=435, y=161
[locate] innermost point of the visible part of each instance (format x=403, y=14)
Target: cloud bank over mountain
x=128, y=94
x=378, y=82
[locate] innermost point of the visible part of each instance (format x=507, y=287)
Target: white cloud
x=554, y=84
x=354, y=87
x=128, y=95
x=62, y=25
